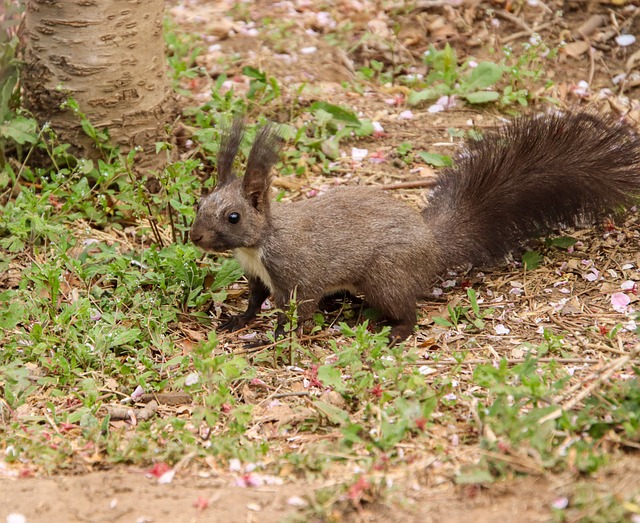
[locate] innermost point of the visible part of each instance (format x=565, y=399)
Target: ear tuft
x=263, y=156
x=230, y=140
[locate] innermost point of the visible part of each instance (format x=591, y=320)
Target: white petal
x=625, y=40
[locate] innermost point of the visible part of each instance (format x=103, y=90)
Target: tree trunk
x=109, y=56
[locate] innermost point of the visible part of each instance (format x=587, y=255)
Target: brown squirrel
x=520, y=181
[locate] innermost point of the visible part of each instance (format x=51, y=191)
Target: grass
x=103, y=294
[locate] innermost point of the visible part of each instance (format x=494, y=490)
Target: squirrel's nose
x=195, y=236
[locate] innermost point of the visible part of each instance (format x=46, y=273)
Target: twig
x=610, y=256
x=171, y=223
x=515, y=19
x=167, y=398
x=518, y=462
x=600, y=346
x=520, y=34
x=545, y=7
x=132, y=415
x=51, y=422
x=588, y=28
x=430, y=4
x=152, y=220
x=258, y=348
x=592, y=65
x=290, y=395
x=510, y=361
x=605, y=375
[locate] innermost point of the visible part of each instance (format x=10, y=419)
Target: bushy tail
x=533, y=175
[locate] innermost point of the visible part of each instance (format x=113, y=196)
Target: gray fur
x=535, y=174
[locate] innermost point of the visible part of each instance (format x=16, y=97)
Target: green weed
x=446, y=78
x=469, y=317
x=508, y=81
x=182, y=51
x=111, y=296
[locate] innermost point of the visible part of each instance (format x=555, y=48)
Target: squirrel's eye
x=233, y=217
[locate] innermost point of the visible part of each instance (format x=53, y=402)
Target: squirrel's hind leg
x=401, y=330
x=398, y=308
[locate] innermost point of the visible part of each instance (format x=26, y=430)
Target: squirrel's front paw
x=234, y=323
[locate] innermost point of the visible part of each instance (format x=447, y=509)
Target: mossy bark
x=109, y=56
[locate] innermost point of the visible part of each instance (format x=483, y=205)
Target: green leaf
x=288, y=132
x=21, y=130
x=392, y=433
x=322, y=117
x=564, y=242
x=352, y=433
x=437, y=160
x=484, y=75
x=482, y=97
x=12, y=315
x=438, y=320
x=233, y=369
x=531, y=259
x=125, y=337
x=405, y=148
x=252, y=72
x=417, y=97
x=12, y=244
x=85, y=165
x=89, y=128
x=478, y=324
x=333, y=413
x=473, y=299
x=474, y=476
x=331, y=148
x=8, y=81
x=229, y=272
x=365, y=129
x=339, y=113
x=330, y=376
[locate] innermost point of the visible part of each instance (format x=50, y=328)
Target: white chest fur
x=251, y=261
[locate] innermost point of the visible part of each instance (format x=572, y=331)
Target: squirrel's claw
x=234, y=323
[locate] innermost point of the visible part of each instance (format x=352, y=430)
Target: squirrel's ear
x=264, y=154
x=230, y=140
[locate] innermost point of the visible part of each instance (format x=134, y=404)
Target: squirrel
x=521, y=181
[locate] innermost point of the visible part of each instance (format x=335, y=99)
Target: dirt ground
x=122, y=494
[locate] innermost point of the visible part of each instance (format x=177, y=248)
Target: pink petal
x=560, y=503
x=620, y=301
x=627, y=285
x=137, y=393
x=358, y=154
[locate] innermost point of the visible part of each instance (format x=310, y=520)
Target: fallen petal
x=620, y=301
x=296, y=501
x=167, y=477
x=358, y=154
x=560, y=503
x=159, y=469
x=627, y=285
x=501, y=329
x=625, y=40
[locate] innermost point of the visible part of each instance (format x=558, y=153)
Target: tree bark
x=109, y=56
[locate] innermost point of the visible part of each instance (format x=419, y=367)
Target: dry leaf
x=575, y=49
